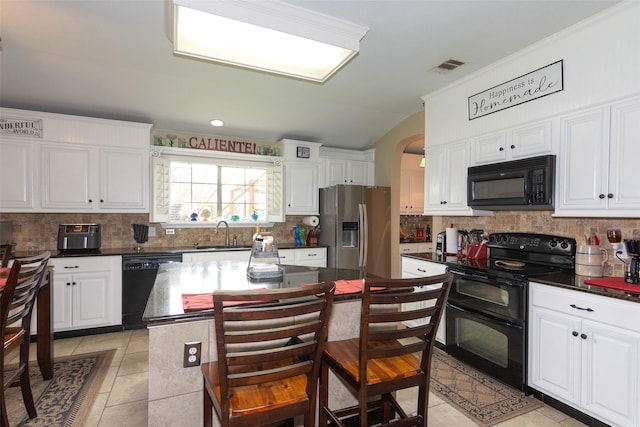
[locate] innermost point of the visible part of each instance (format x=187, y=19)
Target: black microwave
x=526, y=184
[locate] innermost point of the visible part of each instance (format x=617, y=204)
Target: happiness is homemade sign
x=536, y=84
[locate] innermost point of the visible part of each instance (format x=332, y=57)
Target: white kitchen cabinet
x=18, y=162
x=584, y=350
x=301, y=177
x=311, y=257
x=348, y=172
x=301, y=188
x=512, y=144
x=87, y=292
x=414, y=268
x=598, y=162
x=411, y=185
x=346, y=167
x=84, y=178
x=446, y=180
x=77, y=164
x=416, y=248
x=203, y=256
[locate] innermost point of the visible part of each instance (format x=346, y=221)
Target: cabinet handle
x=610, y=196
x=90, y=201
x=73, y=283
x=583, y=336
x=68, y=283
x=513, y=146
x=601, y=196
x=101, y=201
x=501, y=149
x=580, y=308
x=574, y=333
x=421, y=270
x=72, y=266
x=312, y=254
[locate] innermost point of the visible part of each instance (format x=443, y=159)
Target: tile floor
x=122, y=401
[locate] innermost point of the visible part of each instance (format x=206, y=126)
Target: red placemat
x=351, y=287
x=3, y=280
x=614, y=283
x=197, y=302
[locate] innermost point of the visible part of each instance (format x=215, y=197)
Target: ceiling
x=113, y=59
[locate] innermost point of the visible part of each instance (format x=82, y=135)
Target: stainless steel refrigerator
x=355, y=224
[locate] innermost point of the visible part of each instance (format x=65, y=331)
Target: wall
x=41, y=230
x=389, y=150
x=601, y=63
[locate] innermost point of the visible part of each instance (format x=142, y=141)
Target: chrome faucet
x=226, y=240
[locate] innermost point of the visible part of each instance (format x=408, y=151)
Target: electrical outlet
x=152, y=232
x=191, y=354
x=170, y=231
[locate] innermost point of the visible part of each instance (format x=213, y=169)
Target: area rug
x=483, y=399
x=66, y=399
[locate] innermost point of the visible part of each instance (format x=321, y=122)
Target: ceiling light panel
x=268, y=35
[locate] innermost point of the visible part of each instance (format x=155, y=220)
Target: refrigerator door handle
x=363, y=235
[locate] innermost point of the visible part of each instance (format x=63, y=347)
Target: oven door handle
x=485, y=279
x=484, y=316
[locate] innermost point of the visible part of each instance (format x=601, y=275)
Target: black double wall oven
x=486, y=313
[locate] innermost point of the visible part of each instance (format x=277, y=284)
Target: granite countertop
x=173, y=280
x=150, y=251
x=562, y=280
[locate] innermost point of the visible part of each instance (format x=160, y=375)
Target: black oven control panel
x=533, y=242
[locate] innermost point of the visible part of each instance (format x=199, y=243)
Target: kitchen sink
x=223, y=248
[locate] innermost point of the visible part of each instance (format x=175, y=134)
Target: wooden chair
x=5, y=252
x=393, y=352
x=269, y=355
x=16, y=304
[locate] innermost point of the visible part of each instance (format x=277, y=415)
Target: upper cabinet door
x=17, y=160
x=301, y=188
x=69, y=177
x=624, y=157
x=124, y=183
x=583, y=160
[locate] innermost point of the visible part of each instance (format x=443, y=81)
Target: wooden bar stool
x=16, y=306
x=397, y=333
x=268, y=355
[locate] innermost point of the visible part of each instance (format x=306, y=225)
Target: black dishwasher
x=138, y=276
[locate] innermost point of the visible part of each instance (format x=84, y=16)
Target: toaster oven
x=79, y=237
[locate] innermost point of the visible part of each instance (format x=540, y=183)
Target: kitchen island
x=175, y=392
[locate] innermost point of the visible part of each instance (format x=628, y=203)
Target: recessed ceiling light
x=217, y=123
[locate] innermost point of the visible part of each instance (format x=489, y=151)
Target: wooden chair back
x=16, y=306
x=398, y=325
x=19, y=293
x=415, y=305
x=269, y=353
x=5, y=252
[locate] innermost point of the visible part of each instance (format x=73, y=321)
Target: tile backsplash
x=41, y=231
x=543, y=222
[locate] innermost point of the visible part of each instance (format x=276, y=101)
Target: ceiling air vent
x=446, y=66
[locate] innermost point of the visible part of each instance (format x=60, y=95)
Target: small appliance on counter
x=441, y=243
x=632, y=275
x=77, y=238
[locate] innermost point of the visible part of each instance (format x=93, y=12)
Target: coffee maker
x=632, y=275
